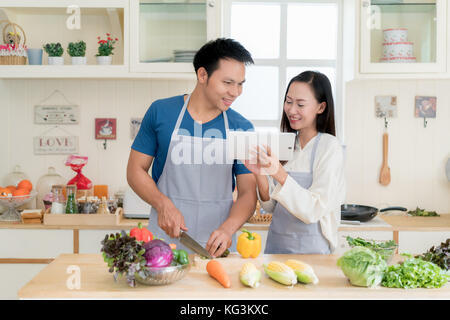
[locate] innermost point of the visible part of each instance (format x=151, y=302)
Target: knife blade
x=189, y=242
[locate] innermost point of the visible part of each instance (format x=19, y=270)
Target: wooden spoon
x=385, y=174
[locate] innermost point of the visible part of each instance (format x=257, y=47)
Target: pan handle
x=393, y=208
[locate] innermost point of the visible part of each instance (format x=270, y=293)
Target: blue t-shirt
x=159, y=122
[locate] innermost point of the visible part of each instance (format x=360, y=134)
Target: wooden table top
x=380, y=223
x=97, y=283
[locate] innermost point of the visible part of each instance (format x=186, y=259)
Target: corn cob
x=250, y=275
x=281, y=273
x=305, y=273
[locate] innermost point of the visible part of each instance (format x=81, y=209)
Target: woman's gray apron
x=200, y=186
x=287, y=233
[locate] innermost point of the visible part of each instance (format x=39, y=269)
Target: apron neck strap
x=182, y=112
x=313, y=153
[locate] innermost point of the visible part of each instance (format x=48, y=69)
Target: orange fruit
x=11, y=188
x=21, y=192
x=4, y=192
x=25, y=184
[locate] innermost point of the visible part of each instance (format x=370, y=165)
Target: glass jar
x=71, y=204
x=58, y=200
x=44, y=185
x=13, y=178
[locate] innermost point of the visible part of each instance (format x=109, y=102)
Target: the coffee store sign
x=55, y=145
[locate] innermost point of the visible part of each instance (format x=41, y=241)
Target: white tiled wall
x=121, y=99
x=417, y=155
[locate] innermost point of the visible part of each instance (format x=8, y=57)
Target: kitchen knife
x=189, y=242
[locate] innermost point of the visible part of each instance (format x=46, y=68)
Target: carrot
x=173, y=246
x=216, y=270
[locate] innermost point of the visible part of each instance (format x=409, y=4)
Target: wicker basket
x=259, y=218
x=17, y=41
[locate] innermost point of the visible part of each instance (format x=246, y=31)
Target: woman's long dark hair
x=321, y=88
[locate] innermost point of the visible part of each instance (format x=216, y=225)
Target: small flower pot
x=78, y=60
x=104, y=60
x=56, y=61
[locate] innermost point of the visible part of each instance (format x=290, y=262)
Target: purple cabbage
x=158, y=253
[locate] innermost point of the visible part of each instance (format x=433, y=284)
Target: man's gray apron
x=287, y=233
x=201, y=187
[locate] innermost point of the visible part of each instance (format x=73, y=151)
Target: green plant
x=54, y=49
x=77, y=49
x=106, y=47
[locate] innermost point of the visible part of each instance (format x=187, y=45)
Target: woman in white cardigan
x=305, y=194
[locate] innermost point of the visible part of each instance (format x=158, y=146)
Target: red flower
x=108, y=34
x=98, y=38
x=117, y=39
x=109, y=39
x=102, y=41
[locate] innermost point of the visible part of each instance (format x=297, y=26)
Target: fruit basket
x=13, y=202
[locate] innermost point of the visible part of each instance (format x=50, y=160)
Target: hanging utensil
x=385, y=174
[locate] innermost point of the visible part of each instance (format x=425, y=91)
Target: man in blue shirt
x=192, y=179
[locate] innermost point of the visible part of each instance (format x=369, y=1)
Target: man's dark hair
x=209, y=55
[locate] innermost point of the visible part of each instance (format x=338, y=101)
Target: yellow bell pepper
x=249, y=244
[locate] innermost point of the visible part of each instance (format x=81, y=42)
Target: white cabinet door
x=420, y=242
x=421, y=40
x=90, y=240
x=165, y=35
x=15, y=276
x=35, y=244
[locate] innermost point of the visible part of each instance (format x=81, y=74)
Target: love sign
x=55, y=145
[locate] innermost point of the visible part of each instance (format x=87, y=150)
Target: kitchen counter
x=379, y=223
x=97, y=283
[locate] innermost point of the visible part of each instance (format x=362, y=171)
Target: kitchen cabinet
x=67, y=21
x=165, y=34
x=405, y=38
x=157, y=38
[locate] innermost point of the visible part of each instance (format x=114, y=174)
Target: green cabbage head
x=362, y=266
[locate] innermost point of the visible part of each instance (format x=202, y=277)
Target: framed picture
x=135, y=125
x=105, y=128
x=385, y=106
x=425, y=107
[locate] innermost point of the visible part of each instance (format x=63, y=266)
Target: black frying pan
x=362, y=213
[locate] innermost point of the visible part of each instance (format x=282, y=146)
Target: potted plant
x=55, y=52
x=77, y=51
x=105, y=49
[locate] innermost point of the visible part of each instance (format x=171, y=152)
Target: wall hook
x=385, y=123
x=104, y=144
x=425, y=122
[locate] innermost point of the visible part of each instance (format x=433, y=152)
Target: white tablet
x=240, y=143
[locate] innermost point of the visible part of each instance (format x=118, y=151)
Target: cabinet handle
x=211, y=3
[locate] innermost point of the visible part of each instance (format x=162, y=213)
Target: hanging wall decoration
x=135, y=125
x=425, y=107
x=65, y=143
x=67, y=113
x=105, y=129
x=386, y=107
